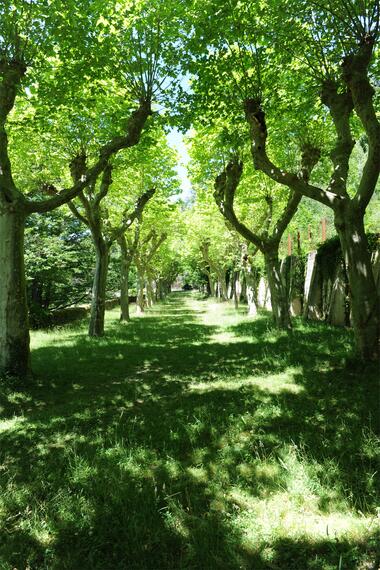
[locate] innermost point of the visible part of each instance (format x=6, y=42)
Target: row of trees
x=78, y=81
x=63, y=260
x=281, y=99
x=292, y=83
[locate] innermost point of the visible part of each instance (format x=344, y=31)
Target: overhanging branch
x=135, y=126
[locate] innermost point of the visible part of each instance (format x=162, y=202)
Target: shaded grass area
x=192, y=438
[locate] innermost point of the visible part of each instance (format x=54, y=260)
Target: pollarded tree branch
x=78, y=167
x=310, y=158
x=267, y=221
x=256, y=118
x=208, y=261
x=287, y=215
x=134, y=129
x=156, y=244
x=129, y=218
x=355, y=74
x=340, y=106
x=77, y=213
x=143, y=258
x=128, y=247
x=225, y=186
x=11, y=73
x=104, y=185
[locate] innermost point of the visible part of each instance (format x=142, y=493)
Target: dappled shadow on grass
x=130, y=446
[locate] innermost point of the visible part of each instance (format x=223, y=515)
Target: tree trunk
x=251, y=292
x=140, y=301
x=149, y=292
x=124, y=290
x=212, y=286
x=14, y=326
x=236, y=300
x=364, y=297
x=98, y=302
x=223, y=292
x=236, y=288
x=160, y=290
x=279, y=300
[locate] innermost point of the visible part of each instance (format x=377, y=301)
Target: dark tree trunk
x=96, y=327
x=14, y=326
x=211, y=286
x=36, y=292
x=236, y=288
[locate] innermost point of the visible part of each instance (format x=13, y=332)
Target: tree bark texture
x=140, y=301
x=149, y=291
x=364, y=298
x=279, y=298
x=98, y=303
x=124, y=291
x=14, y=325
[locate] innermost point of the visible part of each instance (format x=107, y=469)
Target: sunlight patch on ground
x=280, y=516
x=273, y=383
x=56, y=336
x=14, y=423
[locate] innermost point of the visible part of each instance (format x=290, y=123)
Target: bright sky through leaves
x=175, y=140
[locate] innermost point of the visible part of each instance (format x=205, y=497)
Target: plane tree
x=92, y=213
x=211, y=244
x=106, y=207
x=159, y=230
x=305, y=70
x=49, y=55
x=151, y=165
x=266, y=212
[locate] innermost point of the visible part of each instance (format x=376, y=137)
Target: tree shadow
x=128, y=448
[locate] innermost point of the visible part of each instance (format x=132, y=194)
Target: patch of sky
x=176, y=141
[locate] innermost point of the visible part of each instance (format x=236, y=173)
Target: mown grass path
x=192, y=438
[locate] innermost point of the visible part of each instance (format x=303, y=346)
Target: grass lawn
x=192, y=438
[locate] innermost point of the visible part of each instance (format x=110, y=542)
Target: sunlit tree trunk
x=14, y=326
x=364, y=297
x=98, y=302
x=124, y=289
x=279, y=299
x=140, y=301
x=149, y=291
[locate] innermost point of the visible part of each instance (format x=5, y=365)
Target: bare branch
x=225, y=188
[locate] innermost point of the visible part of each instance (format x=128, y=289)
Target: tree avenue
x=30, y=35
x=189, y=284
x=280, y=105
x=300, y=72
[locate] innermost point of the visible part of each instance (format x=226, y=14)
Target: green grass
x=192, y=438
